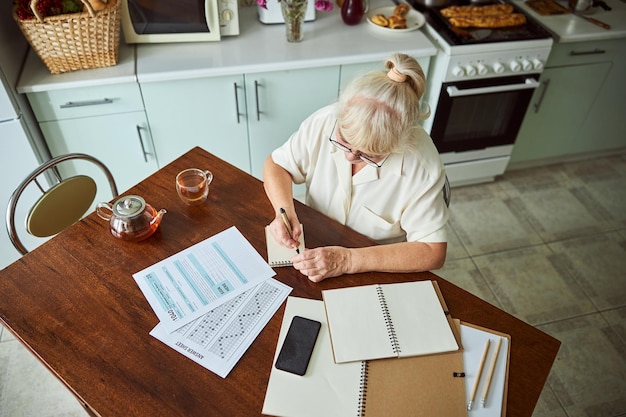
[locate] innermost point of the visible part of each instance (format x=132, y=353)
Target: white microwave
x=163, y=21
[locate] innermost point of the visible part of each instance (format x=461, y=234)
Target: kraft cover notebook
x=419, y=385
x=388, y=320
x=278, y=255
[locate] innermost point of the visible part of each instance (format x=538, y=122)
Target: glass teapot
x=130, y=218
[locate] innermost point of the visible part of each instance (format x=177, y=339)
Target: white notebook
x=277, y=254
x=388, y=320
x=327, y=389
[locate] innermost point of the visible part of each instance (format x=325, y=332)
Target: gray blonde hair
x=378, y=111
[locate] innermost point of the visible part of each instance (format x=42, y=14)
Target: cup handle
x=101, y=211
x=209, y=176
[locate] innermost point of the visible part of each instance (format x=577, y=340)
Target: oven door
x=158, y=21
x=478, y=114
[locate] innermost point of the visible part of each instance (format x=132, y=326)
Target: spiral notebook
x=278, y=255
x=388, y=320
x=421, y=385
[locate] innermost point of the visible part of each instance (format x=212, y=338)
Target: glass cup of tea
x=192, y=185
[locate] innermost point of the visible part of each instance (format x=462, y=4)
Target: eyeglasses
x=366, y=159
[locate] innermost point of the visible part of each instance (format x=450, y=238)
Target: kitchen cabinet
x=107, y=122
x=578, y=107
x=239, y=118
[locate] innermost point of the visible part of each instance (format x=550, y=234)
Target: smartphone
x=298, y=346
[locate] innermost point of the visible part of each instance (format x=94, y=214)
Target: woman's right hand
x=281, y=234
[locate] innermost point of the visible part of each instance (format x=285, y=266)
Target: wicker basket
x=75, y=41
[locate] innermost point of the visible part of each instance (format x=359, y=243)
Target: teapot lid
x=129, y=206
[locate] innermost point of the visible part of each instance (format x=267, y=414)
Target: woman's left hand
x=321, y=263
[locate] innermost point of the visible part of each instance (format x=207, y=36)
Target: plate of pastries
x=400, y=18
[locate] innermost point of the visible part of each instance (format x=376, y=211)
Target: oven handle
x=529, y=83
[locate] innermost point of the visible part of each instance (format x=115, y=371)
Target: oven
x=479, y=87
x=481, y=113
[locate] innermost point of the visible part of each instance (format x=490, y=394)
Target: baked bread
x=397, y=22
x=380, y=20
x=488, y=21
x=401, y=9
x=488, y=10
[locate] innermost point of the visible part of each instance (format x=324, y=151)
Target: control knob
x=526, y=65
x=458, y=72
x=227, y=15
x=537, y=64
x=515, y=66
x=470, y=70
x=482, y=69
x=498, y=68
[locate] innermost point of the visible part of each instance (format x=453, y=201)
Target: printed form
x=212, y=299
x=191, y=283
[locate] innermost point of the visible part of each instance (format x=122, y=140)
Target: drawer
x=579, y=53
x=84, y=102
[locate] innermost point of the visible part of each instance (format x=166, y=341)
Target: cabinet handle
x=256, y=93
x=594, y=52
x=71, y=104
x=143, y=147
x=537, y=105
x=237, y=103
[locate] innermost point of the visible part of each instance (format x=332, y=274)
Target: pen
x=491, y=369
x=287, y=224
x=480, y=371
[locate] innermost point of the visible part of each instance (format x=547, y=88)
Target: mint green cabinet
x=240, y=118
x=107, y=122
x=578, y=108
x=277, y=102
x=206, y=112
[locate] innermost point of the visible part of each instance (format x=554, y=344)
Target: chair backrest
x=447, y=193
x=60, y=205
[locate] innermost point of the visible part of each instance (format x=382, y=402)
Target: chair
x=61, y=205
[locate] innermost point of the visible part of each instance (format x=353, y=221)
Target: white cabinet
x=107, y=122
x=241, y=118
x=577, y=109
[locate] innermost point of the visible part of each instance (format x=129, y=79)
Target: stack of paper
x=212, y=299
x=415, y=383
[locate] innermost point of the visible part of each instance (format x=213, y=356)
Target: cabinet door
x=122, y=142
x=206, y=112
x=557, y=111
x=604, y=129
x=279, y=101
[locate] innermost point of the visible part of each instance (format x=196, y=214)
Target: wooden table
x=74, y=304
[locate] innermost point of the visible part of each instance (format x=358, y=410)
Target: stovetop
x=473, y=36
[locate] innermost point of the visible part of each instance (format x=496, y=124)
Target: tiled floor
x=545, y=244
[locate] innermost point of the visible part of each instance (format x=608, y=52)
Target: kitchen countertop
x=571, y=28
x=260, y=48
x=36, y=78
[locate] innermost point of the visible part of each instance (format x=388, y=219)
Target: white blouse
x=401, y=201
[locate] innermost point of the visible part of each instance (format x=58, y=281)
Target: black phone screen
x=298, y=346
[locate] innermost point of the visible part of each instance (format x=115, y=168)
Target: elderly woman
x=368, y=164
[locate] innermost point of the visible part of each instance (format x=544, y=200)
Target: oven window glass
x=480, y=116
x=472, y=121
x=151, y=17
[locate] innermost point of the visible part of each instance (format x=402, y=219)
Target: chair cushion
x=61, y=206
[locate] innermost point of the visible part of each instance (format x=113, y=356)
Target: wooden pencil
x=491, y=369
x=480, y=371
